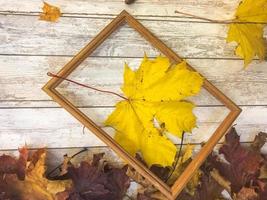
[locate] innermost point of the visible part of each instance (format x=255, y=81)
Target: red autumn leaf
x=245, y=171
x=11, y=165
x=91, y=181
x=209, y=189
x=244, y=164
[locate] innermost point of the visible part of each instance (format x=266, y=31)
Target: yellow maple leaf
x=36, y=186
x=247, y=29
x=50, y=13
x=155, y=93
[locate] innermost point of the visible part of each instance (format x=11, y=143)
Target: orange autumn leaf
x=50, y=13
x=35, y=186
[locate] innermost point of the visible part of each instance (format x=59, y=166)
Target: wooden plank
x=54, y=127
x=21, y=79
x=32, y=36
x=223, y=9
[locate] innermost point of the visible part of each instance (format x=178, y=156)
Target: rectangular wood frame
x=170, y=192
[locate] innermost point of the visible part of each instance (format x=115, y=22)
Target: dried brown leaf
x=10, y=165
x=93, y=181
x=259, y=141
x=221, y=180
x=243, y=164
x=247, y=194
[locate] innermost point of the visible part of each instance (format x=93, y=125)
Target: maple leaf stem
x=57, y=167
x=86, y=86
x=228, y=21
x=177, y=157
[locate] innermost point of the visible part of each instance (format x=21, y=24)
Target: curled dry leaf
x=146, y=190
x=155, y=92
x=259, y=141
x=138, y=178
x=64, y=167
x=50, y=13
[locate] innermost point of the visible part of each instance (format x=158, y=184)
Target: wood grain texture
x=21, y=78
x=54, y=127
x=109, y=8
x=32, y=36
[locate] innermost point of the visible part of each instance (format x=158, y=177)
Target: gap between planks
x=46, y=107
x=118, y=57
x=110, y=16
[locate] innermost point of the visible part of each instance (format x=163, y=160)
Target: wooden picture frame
x=170, y=192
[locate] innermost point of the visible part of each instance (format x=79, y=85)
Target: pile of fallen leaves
x=243, y=170
x=24, y=179
x=168, y=174
x=240, y=171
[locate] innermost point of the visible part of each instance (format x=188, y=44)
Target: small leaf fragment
x=259, y=140
x=247, y=194
x=50, y=13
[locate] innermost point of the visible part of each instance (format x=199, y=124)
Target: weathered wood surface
x=22, y=77
x=142, y=8
x=189, y=39
x=29, y=48
x=54, y=127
